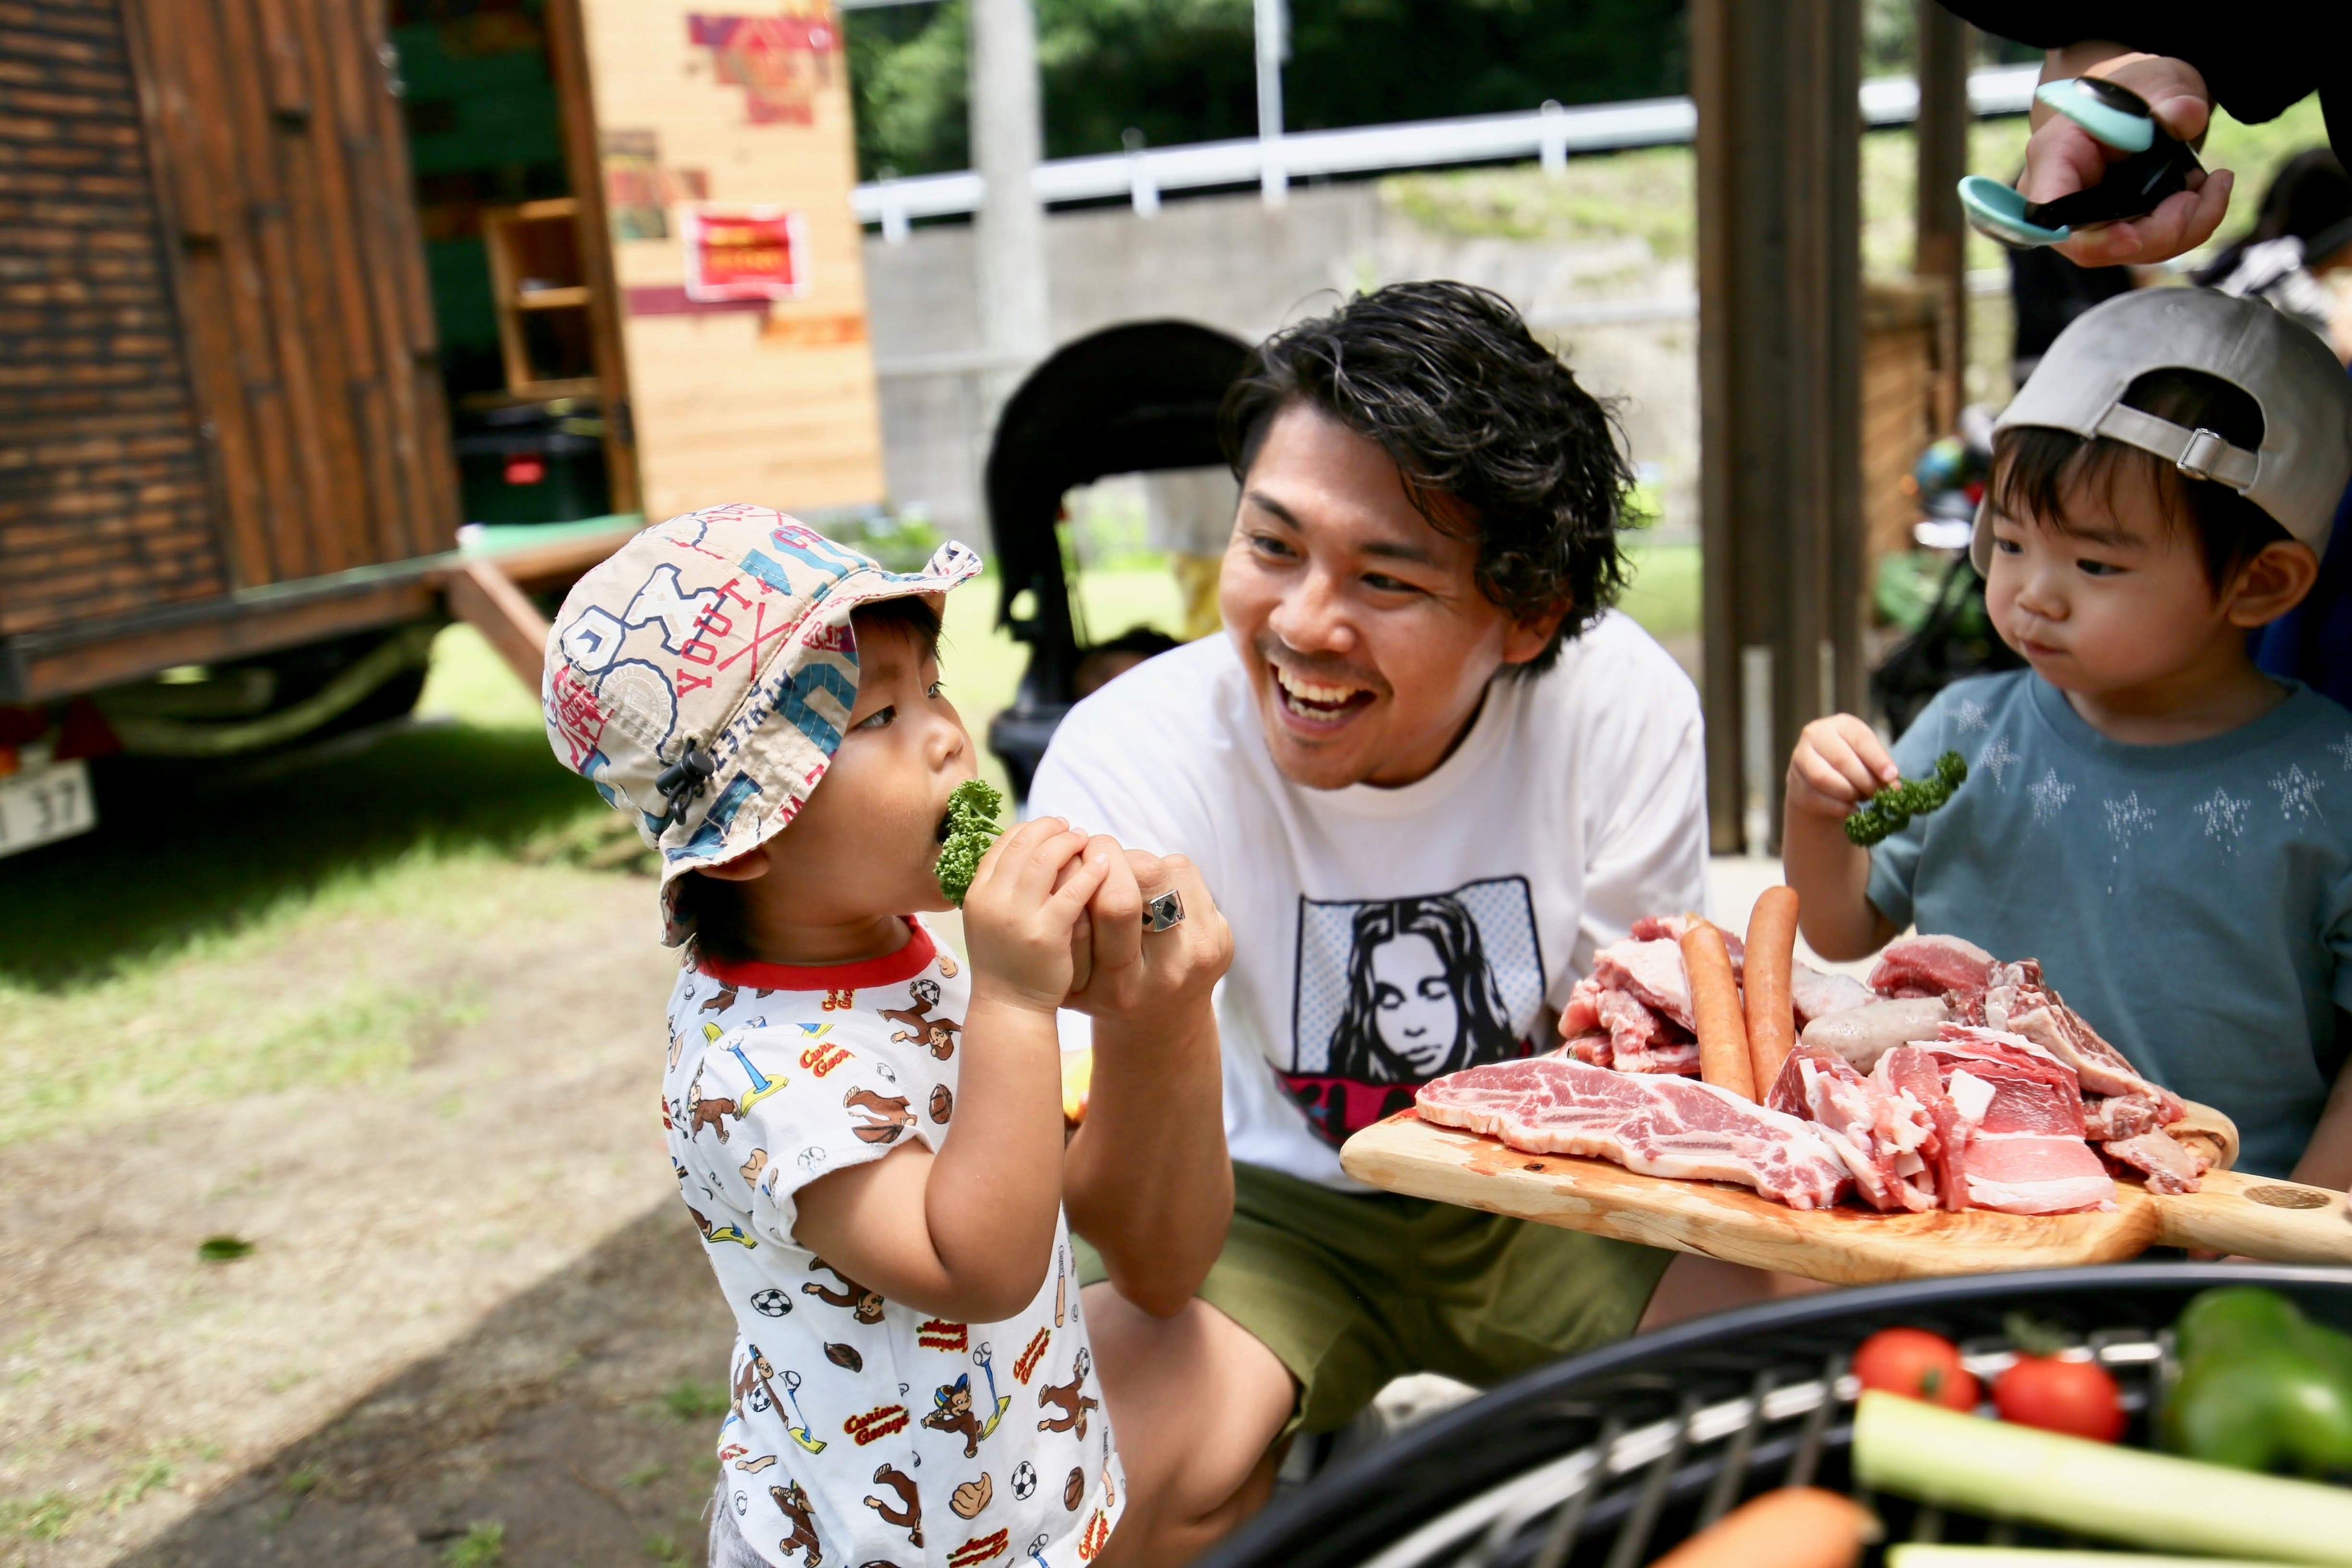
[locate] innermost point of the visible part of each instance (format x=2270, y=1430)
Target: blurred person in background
x=2184, y=59
x=2302, y=233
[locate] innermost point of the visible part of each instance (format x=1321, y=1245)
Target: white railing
x=1548, y=134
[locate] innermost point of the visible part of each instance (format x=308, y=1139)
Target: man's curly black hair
x=1452, y=386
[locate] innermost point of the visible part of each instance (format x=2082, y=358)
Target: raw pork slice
x=1909, y=1070
x=1929, y=966
x=1652, y=972
x=2169, y=1165
x=2112, y=1118
x=2016, y=1000
x=1817, y=995
x=2021, y=1175
x=1863, y=1034
x=1639, y=1038
x=1655, y=1125
x=1670, y=928
x=1884, y=1138
x=2025, y=1151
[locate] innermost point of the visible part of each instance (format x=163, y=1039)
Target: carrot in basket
x=1715, y=1008
x=1771, y=960
x=1795, y=1527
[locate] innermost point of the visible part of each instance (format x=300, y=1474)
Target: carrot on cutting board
x=1715, y=1008
x=1795, y=1527
x=1766, y=980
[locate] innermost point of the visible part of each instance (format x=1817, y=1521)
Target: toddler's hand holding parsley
x=1021, y=910
x=1839, y=764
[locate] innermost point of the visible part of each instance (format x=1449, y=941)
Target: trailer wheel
x=298, y=695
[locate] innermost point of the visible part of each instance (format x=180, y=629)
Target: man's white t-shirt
x=1384, y=936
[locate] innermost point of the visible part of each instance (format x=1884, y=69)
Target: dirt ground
x=348, y=1019
x=473, y=1313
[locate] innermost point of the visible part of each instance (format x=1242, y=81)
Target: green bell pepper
x=2260, y=1387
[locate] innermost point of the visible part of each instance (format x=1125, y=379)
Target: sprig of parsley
x=1891, y=809
x=971, y=824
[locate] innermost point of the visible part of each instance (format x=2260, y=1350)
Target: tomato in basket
x=1916, y=1365
x=2076, y=1397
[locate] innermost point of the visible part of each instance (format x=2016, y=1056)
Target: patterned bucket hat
x=700, y=678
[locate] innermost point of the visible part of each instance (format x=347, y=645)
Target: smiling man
x=1426, y=773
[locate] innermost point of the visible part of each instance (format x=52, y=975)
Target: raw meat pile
x=1633, y=1011
x=1952, y=1079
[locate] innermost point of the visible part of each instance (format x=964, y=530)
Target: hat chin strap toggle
x=2201, y=454
x=683, y=781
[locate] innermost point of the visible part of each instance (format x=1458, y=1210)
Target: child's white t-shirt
x=859, y=1430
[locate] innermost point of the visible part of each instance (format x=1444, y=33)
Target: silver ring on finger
x=1163, y=912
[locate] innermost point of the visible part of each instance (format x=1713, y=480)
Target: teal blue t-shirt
x=2193, y=902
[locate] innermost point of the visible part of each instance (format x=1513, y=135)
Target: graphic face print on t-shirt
x=1391, y=992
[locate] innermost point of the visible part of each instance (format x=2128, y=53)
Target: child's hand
x=1838, y=764
x=1021, y=913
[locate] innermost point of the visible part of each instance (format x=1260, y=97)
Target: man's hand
x=1147, y=1179
x=1838, y=764
x=2063, y=158
x=1021, y=916
x=1137, y=975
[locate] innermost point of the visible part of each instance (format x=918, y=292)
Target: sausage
x=1795, y=1527
x=1723, y=1057
x=1771, y=960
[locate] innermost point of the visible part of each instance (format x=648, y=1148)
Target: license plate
x=44, y=804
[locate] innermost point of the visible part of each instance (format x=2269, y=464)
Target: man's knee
x=1197, y=1403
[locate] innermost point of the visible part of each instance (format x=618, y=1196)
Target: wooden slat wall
x=1900, y=331
x=103, y=502
x=283, y=174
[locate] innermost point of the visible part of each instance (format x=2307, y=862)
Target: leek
x=2006, y=1471
x=2041, y=1557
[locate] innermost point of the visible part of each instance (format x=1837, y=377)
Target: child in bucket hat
x=2164, y=827
x=766, y=704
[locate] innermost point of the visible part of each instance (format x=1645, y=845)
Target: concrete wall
x=1233, y=263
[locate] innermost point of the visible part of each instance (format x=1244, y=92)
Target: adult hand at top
x=2063, y=158
x=1142, y=976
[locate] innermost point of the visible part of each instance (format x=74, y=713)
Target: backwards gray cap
x=2299, y=473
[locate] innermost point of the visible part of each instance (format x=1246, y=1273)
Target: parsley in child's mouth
x=965, y=832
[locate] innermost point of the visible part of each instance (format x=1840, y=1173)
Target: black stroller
x=1135, y=398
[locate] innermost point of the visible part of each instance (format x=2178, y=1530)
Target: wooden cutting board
x=2278, y=1221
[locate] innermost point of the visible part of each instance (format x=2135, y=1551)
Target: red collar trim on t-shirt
x=889, y=969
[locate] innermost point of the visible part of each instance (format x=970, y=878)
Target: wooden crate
x=761, y=400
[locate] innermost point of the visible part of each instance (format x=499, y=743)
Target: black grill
x=1608, y=1460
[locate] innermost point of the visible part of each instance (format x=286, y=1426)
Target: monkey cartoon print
x=858, y=1430
x=1393, y=992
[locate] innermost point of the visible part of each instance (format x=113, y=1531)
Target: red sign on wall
x=745, y=252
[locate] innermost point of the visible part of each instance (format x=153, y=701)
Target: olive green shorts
x=1350, y=1289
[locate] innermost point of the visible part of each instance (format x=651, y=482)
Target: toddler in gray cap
x=2164, y=827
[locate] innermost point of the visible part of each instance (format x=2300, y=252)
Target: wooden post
x=1940, y=259
x=1780, y=375
x=568, y=57
x=1009, y=235
x=487, y=599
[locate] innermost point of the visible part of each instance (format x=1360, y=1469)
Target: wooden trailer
x=324, y=320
